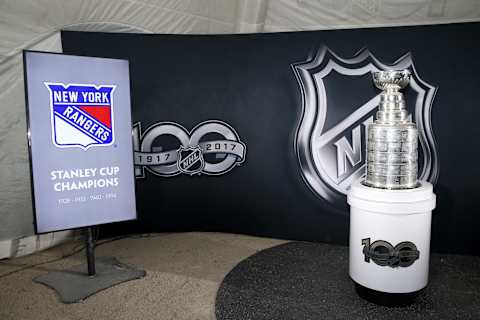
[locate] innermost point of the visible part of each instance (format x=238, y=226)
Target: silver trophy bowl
x=391, y=78
x=392, y=139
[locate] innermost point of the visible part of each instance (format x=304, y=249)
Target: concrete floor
x=184, y=271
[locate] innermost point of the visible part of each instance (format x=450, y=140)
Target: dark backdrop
x=248, y=82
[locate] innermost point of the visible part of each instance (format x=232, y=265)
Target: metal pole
x=90, y=250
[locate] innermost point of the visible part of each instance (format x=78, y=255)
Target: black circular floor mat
x=300, y=280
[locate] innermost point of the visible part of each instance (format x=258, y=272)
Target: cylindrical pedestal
x=390, y=240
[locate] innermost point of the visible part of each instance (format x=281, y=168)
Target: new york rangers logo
x=81, y=115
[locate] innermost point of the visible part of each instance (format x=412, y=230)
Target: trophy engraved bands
x=392, y=139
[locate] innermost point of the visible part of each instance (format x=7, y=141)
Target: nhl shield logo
x=190, y=160
x=339, y=101
x=81, y=115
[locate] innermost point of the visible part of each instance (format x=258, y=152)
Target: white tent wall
x=35, y=24
x=289, y=15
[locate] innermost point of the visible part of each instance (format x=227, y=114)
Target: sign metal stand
x=49, y=105
x=90, y=251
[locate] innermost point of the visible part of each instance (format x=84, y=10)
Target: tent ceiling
x=23, y=23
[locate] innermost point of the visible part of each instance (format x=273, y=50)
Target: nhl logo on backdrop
x=331, y=135
x=81, y=115
x=190, y=160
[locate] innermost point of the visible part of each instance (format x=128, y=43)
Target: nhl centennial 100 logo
x=331, y=134
x=167, y=149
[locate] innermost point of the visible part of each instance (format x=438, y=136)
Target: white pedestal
x=390, y=237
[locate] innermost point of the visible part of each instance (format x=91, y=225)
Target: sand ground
x=184, y=271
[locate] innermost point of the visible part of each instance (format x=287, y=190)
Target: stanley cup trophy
x=390, y=210
x=392, y=139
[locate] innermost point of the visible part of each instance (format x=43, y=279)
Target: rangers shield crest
x=339, y=101
x=81, y=115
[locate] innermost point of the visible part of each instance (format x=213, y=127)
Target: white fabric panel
x=16, y=216
x=15, y=199
x=288, y=15
x=35, y=24
x=26, y=21
x=26, y=245
x=251, y=16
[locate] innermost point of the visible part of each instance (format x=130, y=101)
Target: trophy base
x=385, y=298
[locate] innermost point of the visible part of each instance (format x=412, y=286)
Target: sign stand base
x=79, y=282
